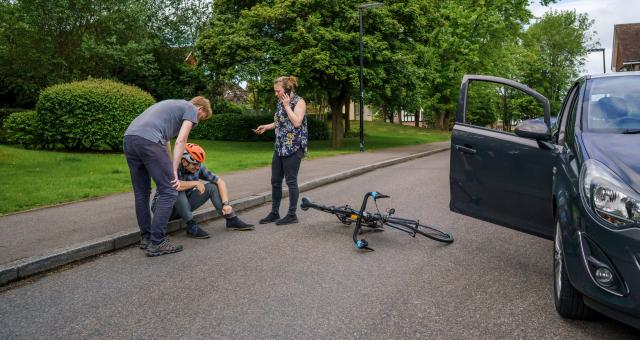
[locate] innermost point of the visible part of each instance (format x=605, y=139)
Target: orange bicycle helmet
x=193, y=153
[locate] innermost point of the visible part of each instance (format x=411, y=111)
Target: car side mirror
x=533, y=129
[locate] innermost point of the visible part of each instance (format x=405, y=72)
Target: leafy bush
x=232, y=127
x=227, y=107
x=239, y=128
x=22, y=128
x=89, y=115
x=6, y=112
x=318, y=130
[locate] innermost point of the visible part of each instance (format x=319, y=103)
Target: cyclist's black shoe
x=272, y=217
x=289, y=219
x=235, y=223
x=194, y=230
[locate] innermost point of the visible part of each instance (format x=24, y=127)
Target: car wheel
x=568, y=300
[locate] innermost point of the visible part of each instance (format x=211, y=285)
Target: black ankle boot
x=289, y=219
x=272, y=217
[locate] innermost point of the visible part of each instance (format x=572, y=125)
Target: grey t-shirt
x=162, y=121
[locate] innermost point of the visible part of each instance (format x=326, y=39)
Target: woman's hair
x=288, y=83
x=204, y=103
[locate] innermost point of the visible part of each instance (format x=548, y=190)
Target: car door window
x=568, y=110
x=500, y=107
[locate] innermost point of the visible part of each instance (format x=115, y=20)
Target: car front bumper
x=586, y=237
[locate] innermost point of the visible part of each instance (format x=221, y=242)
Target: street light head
x=595, y=50
x=370, y=5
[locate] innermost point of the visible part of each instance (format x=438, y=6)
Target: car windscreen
x=612, y=105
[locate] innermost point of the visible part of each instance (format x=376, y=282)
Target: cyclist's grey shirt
x=162, y=121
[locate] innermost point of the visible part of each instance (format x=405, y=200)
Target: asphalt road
x=308, y=281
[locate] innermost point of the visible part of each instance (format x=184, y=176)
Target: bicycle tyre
x=434, y=234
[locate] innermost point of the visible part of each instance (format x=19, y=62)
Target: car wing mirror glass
x=533, y=129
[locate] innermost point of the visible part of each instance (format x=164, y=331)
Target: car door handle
x=465, y=149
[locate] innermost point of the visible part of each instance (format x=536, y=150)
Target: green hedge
x=22, y=128
x=239, y=128
x=89, y=115
x=318, y=130
x=5, y=112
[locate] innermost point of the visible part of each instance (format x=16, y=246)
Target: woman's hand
x=285, y=99
x=260, y=129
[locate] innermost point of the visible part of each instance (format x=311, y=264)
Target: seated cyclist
x=197, y=185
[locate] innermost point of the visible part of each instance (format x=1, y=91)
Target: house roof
x=626, y=45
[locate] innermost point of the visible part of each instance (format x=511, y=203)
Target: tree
x=140, y=42
x=416, y=51
x=399, y=77
x=316, y=40
x=469, y=37
x=556, y=47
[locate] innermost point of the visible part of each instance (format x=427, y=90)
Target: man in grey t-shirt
x=147, y=147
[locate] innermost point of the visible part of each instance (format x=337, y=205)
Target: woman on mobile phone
x=290, y=123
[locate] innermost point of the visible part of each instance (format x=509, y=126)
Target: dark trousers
x=285, y=167
x=149, y=160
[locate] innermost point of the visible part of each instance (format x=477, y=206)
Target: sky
x=605, y=14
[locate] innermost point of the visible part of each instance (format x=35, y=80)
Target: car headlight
x=608, y=196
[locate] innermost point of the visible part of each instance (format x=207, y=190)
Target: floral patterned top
x=289, y=139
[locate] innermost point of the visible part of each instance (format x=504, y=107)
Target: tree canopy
x=415, y=51
x=139, y=42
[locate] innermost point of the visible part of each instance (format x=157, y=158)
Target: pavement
x=39, y=240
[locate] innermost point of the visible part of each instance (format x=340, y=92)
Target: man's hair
x=204, y=103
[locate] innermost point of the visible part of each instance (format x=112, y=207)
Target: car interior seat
x=613, y=107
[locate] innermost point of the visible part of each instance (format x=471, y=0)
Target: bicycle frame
x=347, y=215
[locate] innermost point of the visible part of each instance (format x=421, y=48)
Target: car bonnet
x=619, y=152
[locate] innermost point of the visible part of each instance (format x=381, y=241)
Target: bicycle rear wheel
x=434, y=233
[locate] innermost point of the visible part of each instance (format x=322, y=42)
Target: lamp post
x=604, y=69
x=361, y=9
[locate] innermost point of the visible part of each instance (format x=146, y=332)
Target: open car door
x=499, y=176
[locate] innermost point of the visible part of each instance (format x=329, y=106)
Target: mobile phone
x=288, y=92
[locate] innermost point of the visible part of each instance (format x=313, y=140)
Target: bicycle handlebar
x=362, y=243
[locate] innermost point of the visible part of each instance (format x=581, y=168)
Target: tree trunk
x=440, y=120
x=336, y=104
x=347, y=116
x=506, y=117
x=385, y=114
x=256, y=102
x=417, y=118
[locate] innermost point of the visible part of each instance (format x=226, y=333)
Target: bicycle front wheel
x=434, y=233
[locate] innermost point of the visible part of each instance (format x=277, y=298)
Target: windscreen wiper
x=630, y=131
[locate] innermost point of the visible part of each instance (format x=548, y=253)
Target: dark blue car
x=576, y=182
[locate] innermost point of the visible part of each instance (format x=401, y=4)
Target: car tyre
x=568, y=300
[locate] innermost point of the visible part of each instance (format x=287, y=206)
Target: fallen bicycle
x=376, y=221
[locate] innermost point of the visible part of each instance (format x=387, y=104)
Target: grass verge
x=34, y=178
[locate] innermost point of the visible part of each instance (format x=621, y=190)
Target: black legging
x=285, y=167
